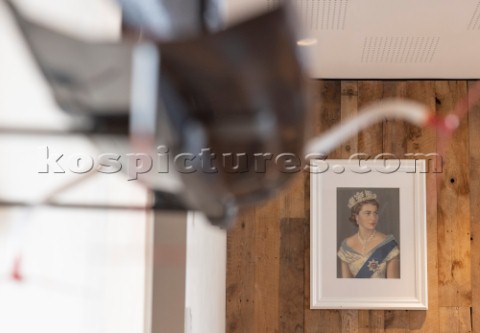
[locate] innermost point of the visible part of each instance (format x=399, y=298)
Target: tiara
x=360, y=197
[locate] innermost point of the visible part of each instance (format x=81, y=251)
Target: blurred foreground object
x=172, y=19
x=226, y=103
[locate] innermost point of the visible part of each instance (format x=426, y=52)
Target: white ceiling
x=383, y=38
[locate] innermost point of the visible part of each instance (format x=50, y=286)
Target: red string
x=451, y=122
x=16, y=269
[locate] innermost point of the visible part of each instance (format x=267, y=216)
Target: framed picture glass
x=368, y=234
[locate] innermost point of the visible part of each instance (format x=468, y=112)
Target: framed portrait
x=368, y=234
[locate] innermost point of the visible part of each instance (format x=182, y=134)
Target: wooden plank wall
x=268, y=277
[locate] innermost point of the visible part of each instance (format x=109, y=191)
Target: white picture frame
x=400, y=188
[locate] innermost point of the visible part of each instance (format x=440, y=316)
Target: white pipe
x=410, y=111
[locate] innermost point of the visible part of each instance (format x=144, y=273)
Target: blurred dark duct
x=240, y=91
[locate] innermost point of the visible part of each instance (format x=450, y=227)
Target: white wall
x=206, y=276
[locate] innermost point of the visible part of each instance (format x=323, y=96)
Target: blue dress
x=372, y=264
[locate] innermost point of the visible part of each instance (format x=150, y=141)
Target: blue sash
x=375, y=259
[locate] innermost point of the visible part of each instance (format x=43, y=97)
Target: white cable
x=413, y=112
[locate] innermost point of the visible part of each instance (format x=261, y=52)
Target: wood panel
x=474, y=153
x=268, y=275
x=267, y=265
x=394, y=131
x=292, y=247
x=453, y=206
x=454, y=319
x=348, y=109
x=241, y=265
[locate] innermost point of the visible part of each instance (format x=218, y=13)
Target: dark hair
x=358, y=207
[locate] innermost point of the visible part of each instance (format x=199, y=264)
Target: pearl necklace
x=365, y=242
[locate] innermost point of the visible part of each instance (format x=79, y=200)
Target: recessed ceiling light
x=307, y=41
